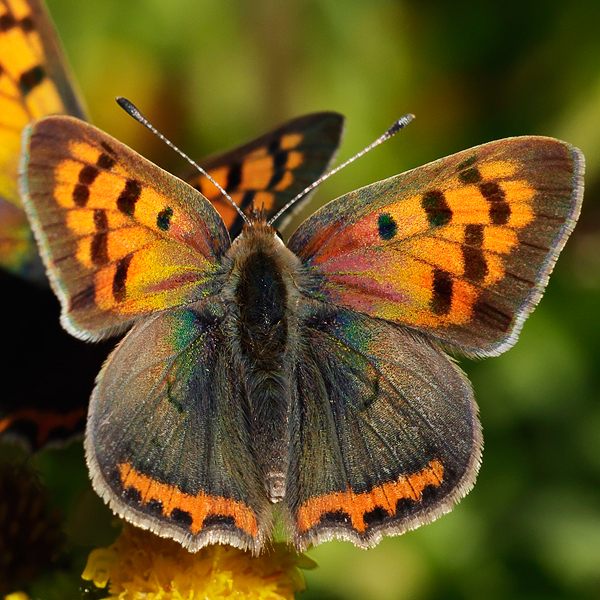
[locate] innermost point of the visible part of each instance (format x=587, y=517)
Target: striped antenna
x=401, y=123
x=132, y=110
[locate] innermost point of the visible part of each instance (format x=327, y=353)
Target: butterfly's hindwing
x=272, y=169
x=168, y=442
x=461, y=248
x=384, y=430
x=120, y=236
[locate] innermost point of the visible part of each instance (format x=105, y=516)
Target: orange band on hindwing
x=199, y=507
x=386, y=496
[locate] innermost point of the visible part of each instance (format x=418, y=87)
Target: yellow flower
x=140, y=565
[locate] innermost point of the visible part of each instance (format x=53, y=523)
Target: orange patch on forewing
x=198, y=507
x=495, y=269
x=468, y=205
x=44, y=100
x=264, y=199
x=257, y=174
x=81, y=222
x=291, y=140
x=19, y=8
x=8, y=88
x=207, y=187
x=225, y=209
x=408, y=214
x=432, y=250
x=294, y=160
x=285, y=182
x=105, y=191
x=86, y=153
x=149, y=205
x=386, y=496
x=497, y=169
x=103, y=288
x=464, y=296
x=66, y=175
x=17, y=57
x=519, y=195
x=122, y=242
x=499, y=239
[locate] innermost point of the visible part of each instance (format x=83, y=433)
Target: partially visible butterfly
x=35, y=82
x=307, y=380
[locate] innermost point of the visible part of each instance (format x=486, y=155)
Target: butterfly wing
x=460, y=249
x=272, y=169
x=168, y=443
x=120, y=237
x=384, y=430
x=34, y=82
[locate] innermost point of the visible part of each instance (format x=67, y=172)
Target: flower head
x=141, y=565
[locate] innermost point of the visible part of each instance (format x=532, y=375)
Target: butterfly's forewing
x=272, y=169
x=34, y=82
x=168, y=443
x=384, y=430
x=120, y=237
x=460, y=249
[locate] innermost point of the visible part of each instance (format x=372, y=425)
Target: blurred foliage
x=214, y=73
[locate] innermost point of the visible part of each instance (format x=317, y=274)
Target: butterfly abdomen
x=261, y=293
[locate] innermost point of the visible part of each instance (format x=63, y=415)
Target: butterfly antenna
x=401, y=123
x=132, y=110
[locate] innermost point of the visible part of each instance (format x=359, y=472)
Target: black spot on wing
x=475, y=264
x=129, y=196
x=119, y=288
x=7, y=22
x=499, y=207
x=335, y=517
x=105, y=162
x=280, y=159
x=108, y=148
x=163, y=219
x=88, y=175
x=182, y=517
x=376, y=516
x=234, y=177
x=132, y=496
x=31, y=78
x=27, y=24
x=470, y=176
x=99, y=246
x=387, y=225
x=441, y=301
x=81, y=195
x=218, y=521
x=436, y=208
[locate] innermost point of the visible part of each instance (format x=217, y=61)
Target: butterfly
x=35, y=81
x=304, y=382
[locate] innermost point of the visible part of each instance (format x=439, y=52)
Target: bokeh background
x=214, y=73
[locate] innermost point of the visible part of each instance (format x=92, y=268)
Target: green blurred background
x=213, y=73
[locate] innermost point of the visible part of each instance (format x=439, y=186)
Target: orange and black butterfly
x=304, y=382
x=35, y=81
